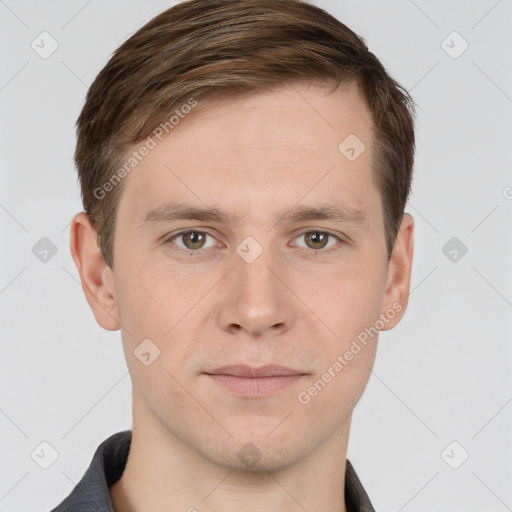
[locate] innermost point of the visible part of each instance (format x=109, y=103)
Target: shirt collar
x=109, y=461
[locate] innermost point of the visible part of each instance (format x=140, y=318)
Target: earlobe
x=96, y=277
x=399, y=273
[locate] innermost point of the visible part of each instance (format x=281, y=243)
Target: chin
x=255, y=452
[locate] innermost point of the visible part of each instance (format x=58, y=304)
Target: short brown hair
x=205, y=49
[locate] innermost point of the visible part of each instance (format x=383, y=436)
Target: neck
x=163, y=473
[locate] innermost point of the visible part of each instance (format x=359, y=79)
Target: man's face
x=249, y=290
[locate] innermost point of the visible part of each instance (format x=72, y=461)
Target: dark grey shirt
x=92, y=494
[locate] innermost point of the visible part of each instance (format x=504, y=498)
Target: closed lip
x=243, y=370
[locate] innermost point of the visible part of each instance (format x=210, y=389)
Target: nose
x=256, y=300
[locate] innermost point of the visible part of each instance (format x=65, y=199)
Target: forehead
x=298, y=116
x=271, y=146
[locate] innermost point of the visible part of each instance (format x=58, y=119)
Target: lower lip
x=255, y=386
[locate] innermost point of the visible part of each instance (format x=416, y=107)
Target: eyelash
x=169, y=240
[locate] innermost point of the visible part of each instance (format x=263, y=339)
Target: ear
x=399, y=273
x=95, y=275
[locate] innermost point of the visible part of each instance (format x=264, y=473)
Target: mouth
x=255, y=382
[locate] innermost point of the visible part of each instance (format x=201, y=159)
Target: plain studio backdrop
x=432, y=431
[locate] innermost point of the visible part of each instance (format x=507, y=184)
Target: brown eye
x=316, y=239
x=191, y=240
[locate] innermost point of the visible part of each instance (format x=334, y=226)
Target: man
x=245, y=166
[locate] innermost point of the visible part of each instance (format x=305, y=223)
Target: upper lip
x=242, y=370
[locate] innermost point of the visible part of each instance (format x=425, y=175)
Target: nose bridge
x=257, y=298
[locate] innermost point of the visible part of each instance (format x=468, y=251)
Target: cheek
x=348, y=300
x=350, y=305
x=331, y=396
x=158, y=387
x=147, y=297
x=163, y=306
x=351, y=311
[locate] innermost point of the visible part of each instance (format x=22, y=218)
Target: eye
x=192, y=239
x=317, y=240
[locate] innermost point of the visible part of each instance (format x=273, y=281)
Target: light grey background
x=443, y=375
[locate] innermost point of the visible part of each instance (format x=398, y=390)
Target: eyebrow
x=175, y=210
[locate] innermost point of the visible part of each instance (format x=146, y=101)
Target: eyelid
x=170, y=238
x=339, y=238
